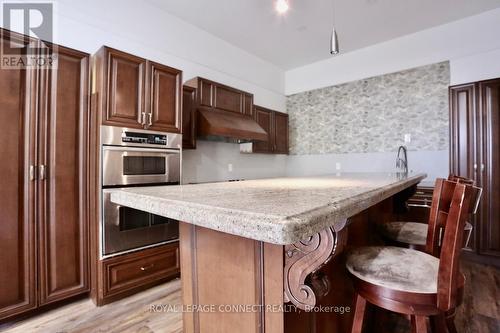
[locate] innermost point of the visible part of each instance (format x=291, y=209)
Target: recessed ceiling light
x=281, y=6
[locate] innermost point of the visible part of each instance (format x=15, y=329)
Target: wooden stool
x=414, y=234
x=413, y=282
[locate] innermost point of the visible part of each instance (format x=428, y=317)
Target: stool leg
x=450, y=321
x=418, y=324
x=359, y=314
x=438, y=323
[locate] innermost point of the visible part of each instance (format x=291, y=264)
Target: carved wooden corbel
x=305, y=258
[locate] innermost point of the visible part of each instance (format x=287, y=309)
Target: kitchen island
x=255, y=254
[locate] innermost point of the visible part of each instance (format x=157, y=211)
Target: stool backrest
x=441, y=201
x=448, y=275
x=460, y=179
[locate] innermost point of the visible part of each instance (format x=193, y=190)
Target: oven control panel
x=144, y=138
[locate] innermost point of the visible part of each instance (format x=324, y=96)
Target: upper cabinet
x=188, y=113
x=137, y=93
x=276, y=125
x=280, y=123
x=165, y=104
x=264, y=118
x=214, y=95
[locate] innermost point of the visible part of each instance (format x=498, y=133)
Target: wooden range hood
x=225, y=113
x=220, y=123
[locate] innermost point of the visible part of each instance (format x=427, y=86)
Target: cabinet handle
x=43, y=172
x=150, y=122
x=145, y=268
x=32, y=172
x=482, y=167
x=143, y=118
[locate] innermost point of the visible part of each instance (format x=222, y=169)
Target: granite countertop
x=277, y=210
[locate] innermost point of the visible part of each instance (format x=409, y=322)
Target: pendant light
x=334, y=39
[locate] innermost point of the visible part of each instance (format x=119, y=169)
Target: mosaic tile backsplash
x=374, y=114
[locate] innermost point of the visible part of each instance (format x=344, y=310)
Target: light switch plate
x=338, y=166
x=230, y=167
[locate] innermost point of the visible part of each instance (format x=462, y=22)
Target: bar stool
x=414, y=234
x=412, y=282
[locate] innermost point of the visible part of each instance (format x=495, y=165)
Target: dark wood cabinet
x=126, y=274
x=124, y=89
x=214, y=95
x=62, y=187
x=137, y=93
x=474, y=153
x=188, y=117
x=165, y=103
x=276, y=125
x=17, y=191
x=264, y=118
x=280, y=133
x=43, y=243
x=490, y=166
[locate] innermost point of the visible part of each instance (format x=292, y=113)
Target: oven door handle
x=144, y=150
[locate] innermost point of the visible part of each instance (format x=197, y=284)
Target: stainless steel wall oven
x=136, y=158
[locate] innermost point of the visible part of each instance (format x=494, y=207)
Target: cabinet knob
x=145, y=268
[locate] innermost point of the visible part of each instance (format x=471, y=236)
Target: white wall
x=459, y=41
x=472, y=45
x=142, y=29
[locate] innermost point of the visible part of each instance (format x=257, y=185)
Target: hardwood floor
x=130, y=315
x=480, y=312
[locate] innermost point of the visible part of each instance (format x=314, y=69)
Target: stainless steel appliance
x=136, y=158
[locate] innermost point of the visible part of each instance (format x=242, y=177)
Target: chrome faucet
x=402, y=161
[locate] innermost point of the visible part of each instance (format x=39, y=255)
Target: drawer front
x=137, y=269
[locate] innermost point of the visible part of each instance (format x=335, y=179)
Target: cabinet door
x=229, y=99
x=490, y=168
x=125, y=90
x=264, y=119
x=63, y=239
x=464, y=140
x=463, y=130
x=280, y=133
x=188, y=119
x=165, y=103
x=17, y=199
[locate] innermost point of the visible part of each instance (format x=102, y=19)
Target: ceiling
x=301, y=36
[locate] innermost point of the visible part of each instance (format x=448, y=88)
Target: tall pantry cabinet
x=43, y=197
x=475, y=153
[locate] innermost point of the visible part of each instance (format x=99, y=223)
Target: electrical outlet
x=407, y=138
x=338, y=166
x=230, y=167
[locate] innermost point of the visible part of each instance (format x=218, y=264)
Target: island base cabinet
x=242, y=284
x=226, y=272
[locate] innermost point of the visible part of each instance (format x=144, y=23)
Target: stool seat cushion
x=406, y=232
x=395, y=268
